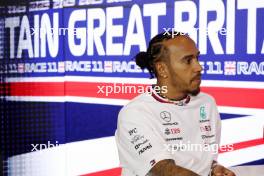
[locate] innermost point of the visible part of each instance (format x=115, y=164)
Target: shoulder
x=138, y=103
x=206, y=98
x=136, y=109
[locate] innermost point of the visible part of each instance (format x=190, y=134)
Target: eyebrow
x=191, y=55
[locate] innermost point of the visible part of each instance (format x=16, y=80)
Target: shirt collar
x=161, y=99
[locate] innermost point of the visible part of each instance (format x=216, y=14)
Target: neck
x=172, y=92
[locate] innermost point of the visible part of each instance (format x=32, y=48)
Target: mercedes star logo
x=166, y=116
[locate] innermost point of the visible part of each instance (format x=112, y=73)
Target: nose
x=197, y=66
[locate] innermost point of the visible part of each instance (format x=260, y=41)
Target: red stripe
x=242, y=145
x=238, y=97
x=236, y=146
x=35, y=89
x=110, y=172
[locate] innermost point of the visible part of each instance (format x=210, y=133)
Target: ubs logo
x=166, y=116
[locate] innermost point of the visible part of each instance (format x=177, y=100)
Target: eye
x=188, y=60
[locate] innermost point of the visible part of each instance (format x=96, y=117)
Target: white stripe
x=111, y=80
x=83, y=79
x=50, y=161
x=106, y=101
x=241, y=156
x=36, y=98
x=242, y=129
x=256, y=170
x=67, y=159
x=233, y=84
x=95, y=155
x=92, y=156
x=205, y=83
x=35, y=79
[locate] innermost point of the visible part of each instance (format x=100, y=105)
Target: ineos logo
x=166, y=116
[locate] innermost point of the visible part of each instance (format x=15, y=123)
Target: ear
x=162, y=69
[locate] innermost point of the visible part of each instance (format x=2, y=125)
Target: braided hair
x=156, y=51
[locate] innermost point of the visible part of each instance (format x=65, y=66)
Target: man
x=155, y=128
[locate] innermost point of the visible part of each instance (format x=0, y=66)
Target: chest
x=186, y=126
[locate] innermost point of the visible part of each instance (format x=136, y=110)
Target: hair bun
x=142, y=60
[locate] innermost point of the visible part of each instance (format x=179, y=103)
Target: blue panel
x=231, y=116
x=257, y=162
x=89, y=121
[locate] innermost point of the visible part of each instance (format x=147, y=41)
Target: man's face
x=183, y=67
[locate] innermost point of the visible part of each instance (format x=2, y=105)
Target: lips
x=197, y=78
x=197, y=81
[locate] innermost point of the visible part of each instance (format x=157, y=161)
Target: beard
x=194, y=92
